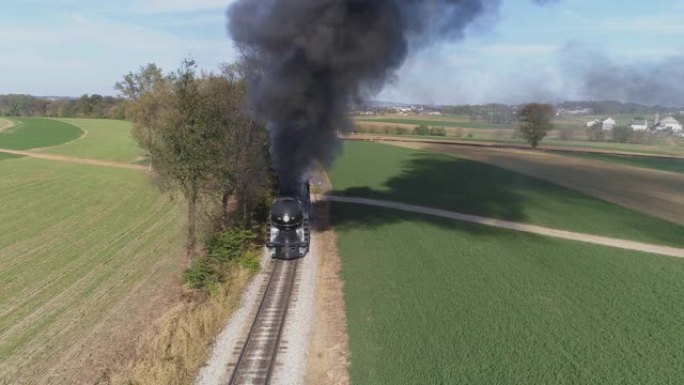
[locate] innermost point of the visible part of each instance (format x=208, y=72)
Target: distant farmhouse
x=608, y=124
x=668, y=123
x=639, y=125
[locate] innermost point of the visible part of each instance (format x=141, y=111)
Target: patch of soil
x=71, y=159
x=328, y=345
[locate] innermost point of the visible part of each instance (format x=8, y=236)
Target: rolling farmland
x=663, y=164
x=446, y=182
x=461, y=128
x=436, y=301
x=651, y=192
x=104, y=140
x=441, y=123
x=89, y=256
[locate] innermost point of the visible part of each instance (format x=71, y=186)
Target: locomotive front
x=289, y=234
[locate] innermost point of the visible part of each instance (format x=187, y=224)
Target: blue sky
x=72, y=47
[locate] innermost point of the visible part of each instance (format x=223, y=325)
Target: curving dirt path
x=71, y=159
x=573, y=236
x=5, y=124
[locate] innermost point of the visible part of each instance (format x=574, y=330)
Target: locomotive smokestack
x=312, y=59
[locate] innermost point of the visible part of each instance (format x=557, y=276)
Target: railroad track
x=258, y=354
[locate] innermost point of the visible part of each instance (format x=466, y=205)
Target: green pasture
x=104, y=140
x=655, y=163
x=30, y=133
x=380, y=171
x=432, y=301
x=7, y=156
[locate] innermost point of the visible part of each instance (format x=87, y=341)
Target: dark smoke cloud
x=314, y=58
x=651, y=83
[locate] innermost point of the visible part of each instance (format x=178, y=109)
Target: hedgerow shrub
x=233, y=245
x=437, y=131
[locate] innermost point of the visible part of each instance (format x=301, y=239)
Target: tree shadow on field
x=438, y=182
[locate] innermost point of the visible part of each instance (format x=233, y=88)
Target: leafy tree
x=168, y=125
x=199, y=138
x=535, y=122
x=623, y=134
x=134, y=85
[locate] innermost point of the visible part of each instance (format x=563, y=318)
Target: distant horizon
x=569, y=49
x=387, y=103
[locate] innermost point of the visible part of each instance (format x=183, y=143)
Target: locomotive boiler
x=290, y=223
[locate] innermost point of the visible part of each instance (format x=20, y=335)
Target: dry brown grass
x=178, y=344
x=327, y=362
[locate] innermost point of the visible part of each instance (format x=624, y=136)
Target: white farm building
x=608, y=124
x=669, y=123
x=639, y=125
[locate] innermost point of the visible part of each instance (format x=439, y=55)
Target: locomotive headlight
x=286, y=218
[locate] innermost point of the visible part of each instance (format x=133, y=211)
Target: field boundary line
x=507, y=146
x=71, y=159
x=503, y=224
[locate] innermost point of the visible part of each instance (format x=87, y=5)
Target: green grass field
x=385, y=172
x=83, y=250
x=37, y=132
x=8, y=156
x=663, y=164
x=432, y=301
x=104, y=140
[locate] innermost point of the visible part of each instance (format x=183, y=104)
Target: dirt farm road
x=71, y=159
x=569, y=235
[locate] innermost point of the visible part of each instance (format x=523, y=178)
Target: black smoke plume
x=312, y=59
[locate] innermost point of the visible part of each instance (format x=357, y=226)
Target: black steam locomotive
x=290, y=224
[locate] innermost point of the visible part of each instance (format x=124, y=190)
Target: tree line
x=202, y=143
x=86, y=106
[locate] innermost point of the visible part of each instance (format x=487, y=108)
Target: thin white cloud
x=174, y=6
x=518, y=49
x=201, y=20
x=659, y=24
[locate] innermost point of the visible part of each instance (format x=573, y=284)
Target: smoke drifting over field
x=314, y=58
x=658, y=83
